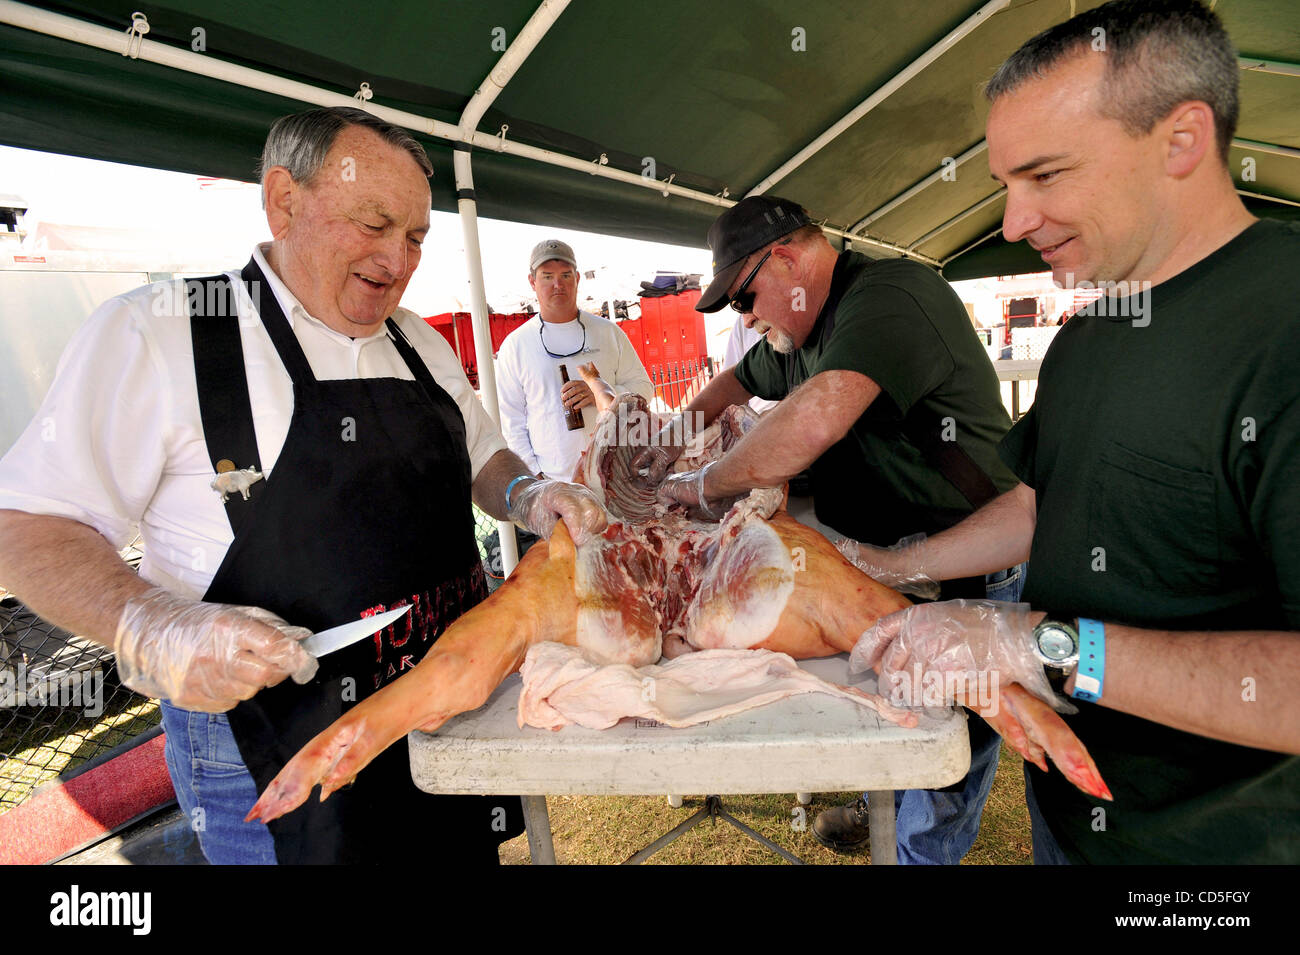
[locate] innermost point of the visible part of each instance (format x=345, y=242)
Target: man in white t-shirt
x=296, y=451
x=532, y=395
x=741, y=339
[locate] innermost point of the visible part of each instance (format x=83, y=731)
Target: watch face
x=1056, y=643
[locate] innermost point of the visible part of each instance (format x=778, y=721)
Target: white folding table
x=807, y=743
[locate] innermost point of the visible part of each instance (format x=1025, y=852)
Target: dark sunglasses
x=743, y=300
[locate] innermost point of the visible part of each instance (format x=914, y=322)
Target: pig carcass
x=654, y=585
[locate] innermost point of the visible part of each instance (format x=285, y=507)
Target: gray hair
x=301, y=141
x=1159, y=53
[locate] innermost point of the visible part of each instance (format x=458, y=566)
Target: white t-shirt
x=741, y=340
x=528, y=387
x=118, y=443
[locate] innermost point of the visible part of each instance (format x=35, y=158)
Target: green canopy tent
x=641, y=120
x=869, y=113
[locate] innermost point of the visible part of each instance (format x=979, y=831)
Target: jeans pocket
x=215, y=747
x=1006, y=585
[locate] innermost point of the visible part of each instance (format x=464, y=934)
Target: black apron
x=367, y=509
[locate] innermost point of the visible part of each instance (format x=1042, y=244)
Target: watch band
x=1090, y=675
x=1056, y=678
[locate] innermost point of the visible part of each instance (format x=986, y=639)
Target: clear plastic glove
x=687, y=489
x=899, y=566
x=650, y=465
x=206, y=656
x=537, y=506
x=976, y=644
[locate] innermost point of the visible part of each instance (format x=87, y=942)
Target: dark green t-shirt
x=900, y=324
x=1164, y=450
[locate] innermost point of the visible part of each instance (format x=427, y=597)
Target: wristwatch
x=1056, y=644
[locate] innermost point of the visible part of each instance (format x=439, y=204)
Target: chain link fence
x=61, y=703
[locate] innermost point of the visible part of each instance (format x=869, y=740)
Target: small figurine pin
x=228, y=480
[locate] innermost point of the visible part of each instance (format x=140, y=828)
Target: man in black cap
x=888, y=397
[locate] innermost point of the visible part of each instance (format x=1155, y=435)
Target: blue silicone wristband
x=1090, y=675
x=511, y=486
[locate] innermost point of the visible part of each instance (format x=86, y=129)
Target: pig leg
x=833, y=603
x=1033, y=728
x=536, y=603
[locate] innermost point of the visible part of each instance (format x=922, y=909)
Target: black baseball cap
x=747, y=226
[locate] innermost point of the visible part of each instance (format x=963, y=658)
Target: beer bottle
x=572, y=417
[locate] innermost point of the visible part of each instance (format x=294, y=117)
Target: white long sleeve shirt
x=741, y=340
x=118, y=442
x=528, y=387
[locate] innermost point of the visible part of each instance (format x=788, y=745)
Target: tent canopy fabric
x=715, y=97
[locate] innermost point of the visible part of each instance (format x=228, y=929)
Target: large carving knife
x=336, y=638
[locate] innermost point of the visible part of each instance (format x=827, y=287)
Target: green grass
x=596, y=830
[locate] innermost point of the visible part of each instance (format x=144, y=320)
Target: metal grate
x=485, y=527
x=677, y=382
x=61, y=702
x=485, y=532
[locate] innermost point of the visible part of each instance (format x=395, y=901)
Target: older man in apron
x=346, y=447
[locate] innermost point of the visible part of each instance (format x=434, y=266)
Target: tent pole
x=522, y=45
x=89, y=34
x=969, y=211
x=1260, y=195
x=900, y=79
x=966, y=248
x=1252, y=145
x=487, y=377
x=1278, y=67
x=908, y=193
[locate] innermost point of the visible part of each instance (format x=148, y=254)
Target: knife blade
x=336, y=638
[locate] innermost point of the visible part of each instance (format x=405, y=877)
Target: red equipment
x=669, y=340
x=458, y=329
x=1019, y=313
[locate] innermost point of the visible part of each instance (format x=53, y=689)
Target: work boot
x=843, y=828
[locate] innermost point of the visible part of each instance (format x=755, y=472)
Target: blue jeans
x=214, y=788
x=1007, y=584
x=1047, y=851
x=937, y=827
